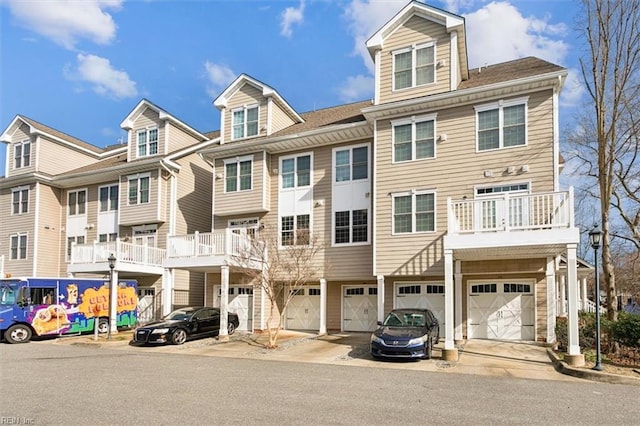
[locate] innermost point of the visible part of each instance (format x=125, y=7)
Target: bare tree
x=607, y=137
x=280, y=270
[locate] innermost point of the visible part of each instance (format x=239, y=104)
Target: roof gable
x=163, y=115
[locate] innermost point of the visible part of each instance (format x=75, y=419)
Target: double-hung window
x=77, y=202
x=139, y=189
x=238, y=172
x=18, y=246
x=79, y=239
x=414, y=139
x=351, y=226
x=147, y=142
x=502, y=124
x=414, y=66
x=245, y=122
x=295, y=171
x=20, y=201
x=352, y=164
x=22, y=154
x=294, y=229
x=108, y=198
x=414, y=212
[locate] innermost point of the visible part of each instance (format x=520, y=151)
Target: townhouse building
x=441, y=192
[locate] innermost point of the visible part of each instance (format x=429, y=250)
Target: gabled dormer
x=153, y=132
x=251, y=109
x=421, y=51
x=33, y=147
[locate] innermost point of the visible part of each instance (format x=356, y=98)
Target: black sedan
x=184, y=324
x=405, y=333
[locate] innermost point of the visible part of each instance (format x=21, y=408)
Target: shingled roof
x=53, y=132
x=507, y=71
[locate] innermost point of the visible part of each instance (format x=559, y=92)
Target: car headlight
x=418, y=340
x=376, y=339
x=160, y=331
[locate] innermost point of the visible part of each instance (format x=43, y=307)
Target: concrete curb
x=584, y=373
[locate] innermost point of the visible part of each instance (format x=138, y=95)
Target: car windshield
x=404, y=319
x=8, y=293
x=180, y=314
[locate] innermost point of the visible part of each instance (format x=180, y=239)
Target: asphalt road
x=44, y=383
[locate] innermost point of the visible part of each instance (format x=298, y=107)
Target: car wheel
x=18, y=333
x=179, y=337
x=230, y=328
x=103, y=325
x=429, y=348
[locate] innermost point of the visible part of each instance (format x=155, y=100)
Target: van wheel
x=18, y=333
x=103, y=325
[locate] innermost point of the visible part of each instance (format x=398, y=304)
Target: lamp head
x=112, y=261
x=595, y=237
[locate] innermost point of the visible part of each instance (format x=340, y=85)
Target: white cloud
x=573, y=89
x=356, y=88
x=510, y=35
x=290, y=16
x=218, y=77
x=104, y=79
x=67, y=21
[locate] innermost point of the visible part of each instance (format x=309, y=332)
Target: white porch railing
x=586, y=306
x=510, y=212
x=124, y=253
x=218, y=243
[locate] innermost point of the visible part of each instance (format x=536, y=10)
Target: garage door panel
x=360, y=311
x=240, y=302
x=303, y=311
x=422, y=296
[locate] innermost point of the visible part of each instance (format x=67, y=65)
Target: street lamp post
x=112, y=264
x=595, y=238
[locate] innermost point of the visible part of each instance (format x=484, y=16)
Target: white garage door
x=303, y=312
x=360, y=308
x=422, y=296
x=501, y=310
x=240, y=302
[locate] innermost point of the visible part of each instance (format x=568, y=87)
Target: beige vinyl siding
x=279, y=118
x=17, y=224
x=178, y=138
x=188, y=288
x=21, y=135
x=146, y=120
x=55, y=158
x=247, y=95
x=141, y=213
x=239, y=202
x=51, y=237
x=455, y=171
x=194, y=192
x=415, y=31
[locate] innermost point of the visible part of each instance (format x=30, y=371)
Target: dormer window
x=147, y=142
x=414, y=66
x=245, y=122
x=22, y=154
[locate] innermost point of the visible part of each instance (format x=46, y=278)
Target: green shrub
x=626, y=331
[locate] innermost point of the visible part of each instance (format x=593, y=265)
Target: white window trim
x=237, y=161
x=147, y=144
x=500, y=194
x=413, y=49
x=350, y=148
x=138, y=177
x=295, y=230
x=245, y=108
x=86, y=202
x=295, y=171
x=26, y=251
x=109, y=186
x=500, y=105
x=19, y=189
x=351, y=243
x=413, y=120
x=21, y=144
x=413, y=194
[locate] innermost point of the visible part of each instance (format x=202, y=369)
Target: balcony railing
x=218, y=243
x=124, y=253
x=510, y=212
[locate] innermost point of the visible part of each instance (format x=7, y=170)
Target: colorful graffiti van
x=57, y=306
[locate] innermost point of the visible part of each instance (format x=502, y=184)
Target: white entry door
x=501, y=310
x=360, y=308
x=421, y=296
x=303, y=312
x=240, y=303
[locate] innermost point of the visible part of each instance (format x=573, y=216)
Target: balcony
x=208, y=250
x=534, y=224
x=129, y=257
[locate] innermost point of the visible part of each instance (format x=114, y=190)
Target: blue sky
x=81, y=66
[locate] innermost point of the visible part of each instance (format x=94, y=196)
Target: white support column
x=380, y=279
x=458, y=301
x=167, y=292
x=223, y=335
x=450, y=353
x=573, y=349
x=552, y=300
x=113, y=294
x=323, y=307
x=563, y=294
x=583, y=293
